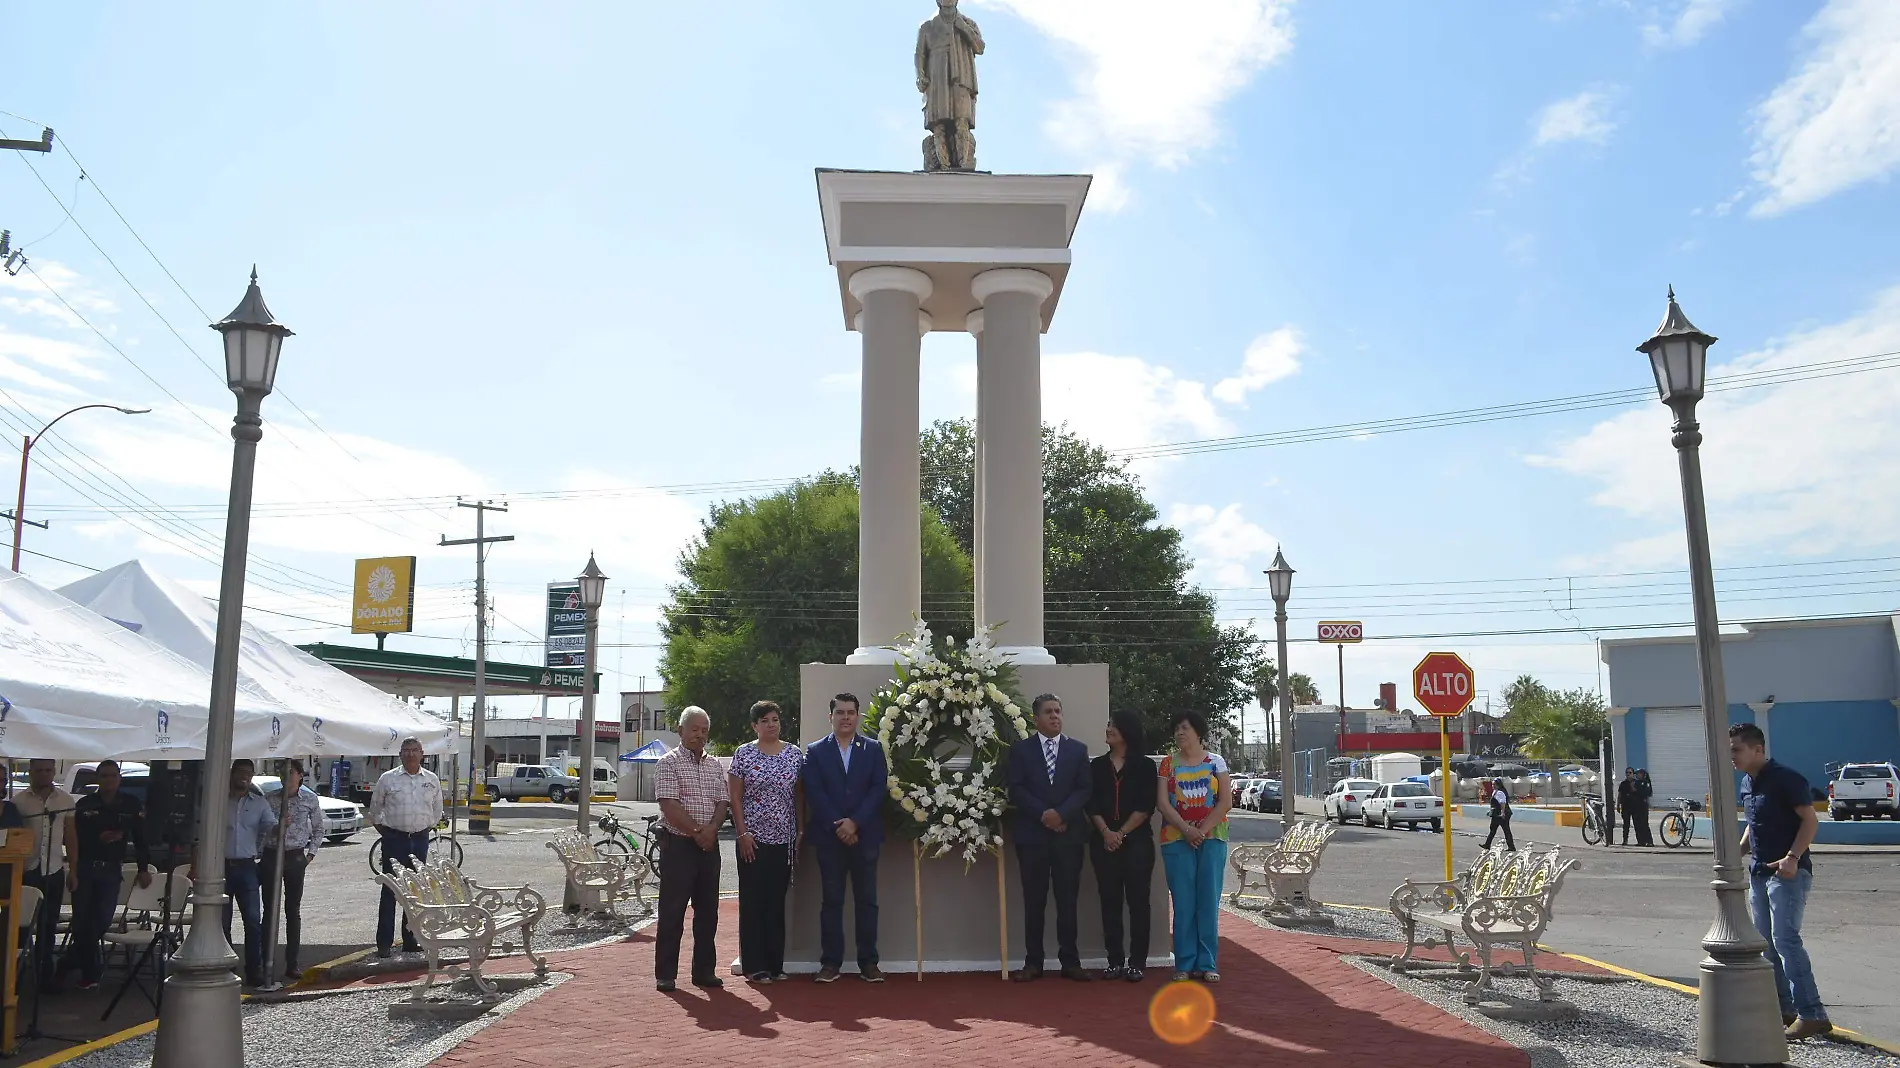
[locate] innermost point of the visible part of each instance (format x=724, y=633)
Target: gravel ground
x=322, y=1031
x=1621, y=1025
x=1347, y=923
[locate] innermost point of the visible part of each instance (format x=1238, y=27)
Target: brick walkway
x=1287, y=1000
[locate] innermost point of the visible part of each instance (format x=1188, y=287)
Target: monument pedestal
x=961, y=923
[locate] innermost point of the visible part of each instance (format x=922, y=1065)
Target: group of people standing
x=1632, y=800
x=1068, y=810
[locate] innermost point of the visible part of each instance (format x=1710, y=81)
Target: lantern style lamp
x=253, y=338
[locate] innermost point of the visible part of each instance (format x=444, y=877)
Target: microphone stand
x=39, y=924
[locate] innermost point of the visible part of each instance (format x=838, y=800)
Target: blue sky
x=576, y=248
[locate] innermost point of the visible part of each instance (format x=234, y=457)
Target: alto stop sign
x=1443, y=683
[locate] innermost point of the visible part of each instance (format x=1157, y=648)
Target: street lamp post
x=26, y=455
x=1280, y=584
x=199, y=1025
x=593, y=592
x=1740, y=1014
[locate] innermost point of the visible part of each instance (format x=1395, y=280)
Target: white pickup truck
x=1862, y=790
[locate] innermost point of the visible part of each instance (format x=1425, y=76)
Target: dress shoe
x=870, y=974
x=1114, y=971
x=1075, y=973
x=1134, y=975
x=1028, y=973
x=1808, y=1029
x=827, y=974
x=1788, y=1019
x=664, y=986
x=708, y=982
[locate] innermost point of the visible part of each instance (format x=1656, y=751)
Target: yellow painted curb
x=96, y=1044
x=312, y=974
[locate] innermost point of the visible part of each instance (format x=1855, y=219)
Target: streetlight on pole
x=1280, y=584
x=26, y=455
x=1740, y=1013
x=593, y=592
x=199, y=1025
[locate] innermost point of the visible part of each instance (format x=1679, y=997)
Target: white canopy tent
x=332, y=713
x=76, y=686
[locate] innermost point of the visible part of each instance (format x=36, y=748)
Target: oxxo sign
x=1443, y=684
x=1342, y=633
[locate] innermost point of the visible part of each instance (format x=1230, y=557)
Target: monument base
x=964, y=930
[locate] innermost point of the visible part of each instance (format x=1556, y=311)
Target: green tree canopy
x=1266, y=686
x=771, y=583
x=1556, y=724
x=1115, y=579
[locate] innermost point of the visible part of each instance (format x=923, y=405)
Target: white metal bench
x=448, y=910
x=1285, y=868
x=1506, y=898
x=600, y=882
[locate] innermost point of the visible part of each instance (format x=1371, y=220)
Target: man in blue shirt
x=1781, y=823
x=249, y=821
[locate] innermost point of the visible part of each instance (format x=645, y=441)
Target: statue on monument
x=947, y=47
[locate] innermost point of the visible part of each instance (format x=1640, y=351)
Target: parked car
x=341, y=819
x=1409, y=803
x=516, y=781
x=83, y=778
x=1254, y=796
x=1346, y=800
x=1268, y=799
x=1862, y=790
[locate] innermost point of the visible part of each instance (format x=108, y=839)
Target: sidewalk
x=1287, y=999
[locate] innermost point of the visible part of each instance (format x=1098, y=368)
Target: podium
x=14, y=854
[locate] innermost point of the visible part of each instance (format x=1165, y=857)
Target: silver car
x=1346, y=800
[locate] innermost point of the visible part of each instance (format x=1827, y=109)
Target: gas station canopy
x=423, y=675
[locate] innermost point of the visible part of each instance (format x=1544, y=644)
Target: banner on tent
x=384, y=600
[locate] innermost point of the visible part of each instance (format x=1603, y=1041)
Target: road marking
x=96, y=1044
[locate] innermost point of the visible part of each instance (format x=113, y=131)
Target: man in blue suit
x=845, y=780
x=1049, y=789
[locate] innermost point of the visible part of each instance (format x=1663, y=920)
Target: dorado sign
x=384, y=597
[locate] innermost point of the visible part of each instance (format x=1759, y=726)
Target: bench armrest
x=526, y=899
x=1412, y=895
x=430, y=921
x=1527, y=911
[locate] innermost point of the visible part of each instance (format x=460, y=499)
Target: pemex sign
x=1443, y=684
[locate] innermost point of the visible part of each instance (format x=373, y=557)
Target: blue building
x=1824, y=691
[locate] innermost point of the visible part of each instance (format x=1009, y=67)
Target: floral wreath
x=940, y=707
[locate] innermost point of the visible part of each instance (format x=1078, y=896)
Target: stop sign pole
x=1443, y=683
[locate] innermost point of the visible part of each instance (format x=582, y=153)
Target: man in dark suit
x=845, y=780
x=1049, y=789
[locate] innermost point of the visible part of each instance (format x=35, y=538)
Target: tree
x=770, y=584
x=1266, y=686
x=1556, y=725
x=1115, y=579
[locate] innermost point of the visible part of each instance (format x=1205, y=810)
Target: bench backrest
x=435, y=882
x=1306, y=836
x=571, y=846
x=1517, y=874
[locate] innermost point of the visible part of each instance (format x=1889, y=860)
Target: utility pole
x=478, y=754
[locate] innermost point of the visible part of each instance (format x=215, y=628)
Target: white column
x=1009, y=472
x=974, y=324
x=890, y=538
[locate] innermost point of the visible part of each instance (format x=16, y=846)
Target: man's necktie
x=1049, y=757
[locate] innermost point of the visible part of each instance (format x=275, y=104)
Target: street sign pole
x=1444, y=785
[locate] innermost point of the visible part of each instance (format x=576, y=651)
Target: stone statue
x=947, y=47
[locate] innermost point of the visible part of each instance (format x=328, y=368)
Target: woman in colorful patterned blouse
x=1194, y=798
x=764, y=784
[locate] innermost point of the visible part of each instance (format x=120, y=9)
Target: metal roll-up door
x=1678, y=754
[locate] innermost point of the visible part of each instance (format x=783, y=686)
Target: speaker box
x=171, y=809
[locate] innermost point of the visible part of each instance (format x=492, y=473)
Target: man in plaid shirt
x=693, y=799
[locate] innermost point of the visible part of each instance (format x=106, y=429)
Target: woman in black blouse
x=1120, y=806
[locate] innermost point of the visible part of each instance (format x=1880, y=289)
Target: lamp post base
x=200, y=1025
x=1740, y=1014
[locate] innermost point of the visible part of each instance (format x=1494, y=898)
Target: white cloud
x=1151, y=78
x=1801, y=468
x=1583, y=117
x=1125, y=401
x=1693, y=19
x=1228, y=549
x=1835, y=122
x=1270, y=358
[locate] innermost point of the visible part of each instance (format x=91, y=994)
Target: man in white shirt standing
x=48, y=812
x=404, y=806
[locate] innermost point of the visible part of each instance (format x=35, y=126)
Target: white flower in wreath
x=949, y=820
x=904, y=698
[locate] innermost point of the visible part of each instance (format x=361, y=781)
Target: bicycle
x=1677, y=827
x=436, y=839
x=623, y=843
x=1595, y=823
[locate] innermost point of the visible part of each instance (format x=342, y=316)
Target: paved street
x=1646, y=909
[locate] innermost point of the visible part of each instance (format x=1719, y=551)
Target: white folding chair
x=144, y=928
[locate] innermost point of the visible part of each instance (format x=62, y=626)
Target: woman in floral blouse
x=1195, y=795
x=764, y=785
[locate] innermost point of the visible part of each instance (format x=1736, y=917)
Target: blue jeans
x=398, y=848
x=95, y=902
x=1778, y=904
x=241, y=881
x=836, y=861
x=1194, y=884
